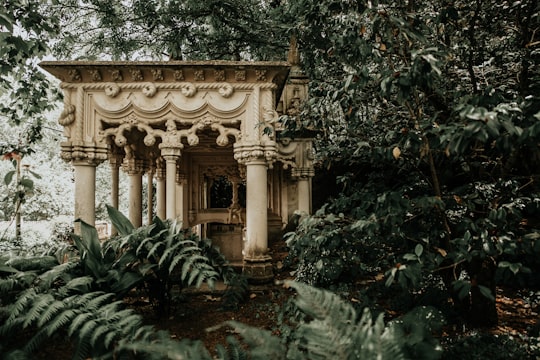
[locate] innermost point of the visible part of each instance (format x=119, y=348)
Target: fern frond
x=57, y=272
x=61, y=321
x=144, y=245
x=130, y=323
x=153, y=250
x=190, y=263
x=86, y=331
x=262, y=344
x=34, y=343
x=335, y=333
x=52, y=309
x=99, y=332
x=98, y=301
x=83, y=348
x=322, y=304
x=8, y=285
x=116, y=316
x=167, y=253
x=235, y=350
x=78, y=321
x=11, y=327
x=22, y=304
x=109, y=338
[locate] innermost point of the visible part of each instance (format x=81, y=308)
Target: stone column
x=257, y=262
x=150, y=191
x=135, y=170
x=115, y=161
x=85, y=192
x=180, y=211
x=171, y=156
x=303, y=174
x=160, y=189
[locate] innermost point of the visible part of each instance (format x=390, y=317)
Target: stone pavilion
x=207, y=136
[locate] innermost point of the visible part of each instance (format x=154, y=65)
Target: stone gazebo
x=206, y=132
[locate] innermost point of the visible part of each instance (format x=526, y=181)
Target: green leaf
x=27, y=183
x=486, y=292
x=119, y=221
x=9, y=177
x=418, y=250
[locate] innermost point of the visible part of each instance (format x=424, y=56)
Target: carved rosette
x=111, y=89
x=188, y=90
x=226, y=90
x=149, y=89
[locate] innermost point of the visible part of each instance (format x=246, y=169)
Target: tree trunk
x=483, y=310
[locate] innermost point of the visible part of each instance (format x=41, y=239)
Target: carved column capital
x=133, y=166
x=171, y=153
x=302, y=173
x=181, y=179
x=83, y=152
x=250, y=153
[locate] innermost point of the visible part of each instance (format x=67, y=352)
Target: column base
x=258, y=272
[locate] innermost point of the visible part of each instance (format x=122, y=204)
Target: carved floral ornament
x=172, y=136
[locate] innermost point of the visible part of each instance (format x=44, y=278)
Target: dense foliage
x=433, y=138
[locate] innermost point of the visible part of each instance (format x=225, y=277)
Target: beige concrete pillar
x=304, y=195
x=160, y=189
x=134, y=169
x=180, y=211
x=115, y=161
x=85, y=192
x=171, y=156
x=150, y=191
x=257, y=265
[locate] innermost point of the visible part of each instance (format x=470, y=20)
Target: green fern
x=39, y=305
x=61, y=321
x=23, y=302
x=262, y=344
x=335, y=331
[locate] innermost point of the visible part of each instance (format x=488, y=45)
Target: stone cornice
x=169, y=71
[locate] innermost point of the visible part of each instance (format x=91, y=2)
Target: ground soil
x=200, y=313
